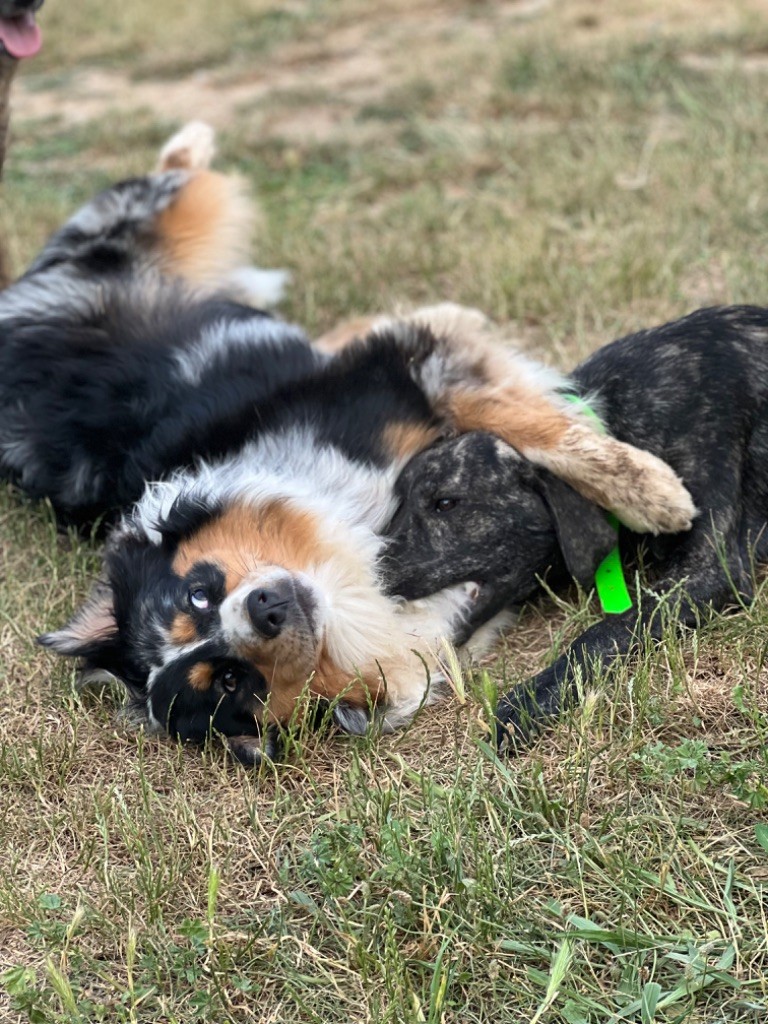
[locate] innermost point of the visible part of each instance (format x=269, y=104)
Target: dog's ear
x=583, y=532
x=91, y=632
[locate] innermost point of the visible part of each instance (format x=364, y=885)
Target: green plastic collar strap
x=609, y=579
x=610, y=583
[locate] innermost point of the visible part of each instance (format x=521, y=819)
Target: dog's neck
x=8, y=66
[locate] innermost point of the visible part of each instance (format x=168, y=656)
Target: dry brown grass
x=581, y=169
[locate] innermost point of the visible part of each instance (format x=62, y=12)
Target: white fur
x=193, y=146
x=219, y=338
x=263, y=289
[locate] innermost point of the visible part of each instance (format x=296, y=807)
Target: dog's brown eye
x=198, y=598
x=445, y=504
x=228, y=679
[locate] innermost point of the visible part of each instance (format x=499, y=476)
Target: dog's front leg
x=523, y=712
x=475, y=382
x=417, y=673
x=712, y=572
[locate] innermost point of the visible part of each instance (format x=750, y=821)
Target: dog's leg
x=712, y=575
x=416, y=675
x=8, y=67
x=476, y=383
x=184, y=221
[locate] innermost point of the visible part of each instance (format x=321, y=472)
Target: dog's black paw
x=351, y=719
x=254, y=750
x=523, y=713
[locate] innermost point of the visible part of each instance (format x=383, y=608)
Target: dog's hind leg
x=185, y=222
x=205, y=233
x=707, y=573
x=474, y=382
x=192, y=148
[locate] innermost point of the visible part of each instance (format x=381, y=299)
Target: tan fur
x=201, y=676
x=243, y=538
x=183, y=630
x=206, y=231
x=326, y=681
x=642, y=490
x=347, y=332
x=522, y=418
x=402, y=440
x=645, y=494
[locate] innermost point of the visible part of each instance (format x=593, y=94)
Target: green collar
x=610, y=583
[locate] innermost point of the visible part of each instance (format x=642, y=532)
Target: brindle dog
x=19, y=38
x=693, y=392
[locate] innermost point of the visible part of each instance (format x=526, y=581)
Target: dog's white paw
x=655, y=499
x=192, y=148
x=449, y=319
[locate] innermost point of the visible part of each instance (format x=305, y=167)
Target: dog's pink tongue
x=21, y=36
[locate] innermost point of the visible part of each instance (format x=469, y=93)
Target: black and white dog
x=247, y=573
x=694, y=392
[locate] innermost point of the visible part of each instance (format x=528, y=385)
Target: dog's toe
x=351, y=719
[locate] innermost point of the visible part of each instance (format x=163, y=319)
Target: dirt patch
x=357, y=63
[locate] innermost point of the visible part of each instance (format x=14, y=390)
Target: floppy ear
x=583, y=531
x=91, y=632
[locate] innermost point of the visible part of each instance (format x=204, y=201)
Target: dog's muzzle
x=268, y=609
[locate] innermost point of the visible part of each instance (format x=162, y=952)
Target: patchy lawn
x=578, y=169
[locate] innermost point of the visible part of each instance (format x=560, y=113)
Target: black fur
x=693, y=392
x=114, y=376
x=94, y=406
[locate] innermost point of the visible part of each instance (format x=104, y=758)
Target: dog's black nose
x=268, y=610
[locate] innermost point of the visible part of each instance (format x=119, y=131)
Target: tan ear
x=92, y=627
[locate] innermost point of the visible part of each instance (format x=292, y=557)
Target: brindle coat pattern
x=693, y=392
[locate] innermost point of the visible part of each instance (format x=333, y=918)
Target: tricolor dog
x=247, y=573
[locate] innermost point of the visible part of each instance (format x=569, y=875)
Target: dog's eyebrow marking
x=183, y=629
x=200, y=676
x=273, y=532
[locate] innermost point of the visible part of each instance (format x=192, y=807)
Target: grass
x=580, y=171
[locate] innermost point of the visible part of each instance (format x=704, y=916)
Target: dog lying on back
x=695, y=393
x=247, y=573
x=19, y=38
